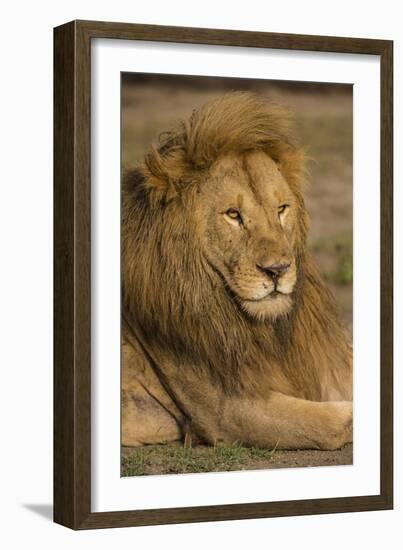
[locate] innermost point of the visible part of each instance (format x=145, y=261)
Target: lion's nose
x=274, y=270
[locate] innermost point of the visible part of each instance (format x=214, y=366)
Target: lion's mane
x=173, y=300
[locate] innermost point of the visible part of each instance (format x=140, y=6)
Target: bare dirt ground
x=175, y=459
x=324, y=123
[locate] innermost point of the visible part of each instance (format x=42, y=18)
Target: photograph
x=223, y=274
x=236, y=274
x=198, y=278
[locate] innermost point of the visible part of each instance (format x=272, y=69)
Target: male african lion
x=229, y=333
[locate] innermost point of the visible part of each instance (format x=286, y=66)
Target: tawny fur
x=208, y=357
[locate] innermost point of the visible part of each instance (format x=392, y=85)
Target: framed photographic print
x=223, y=275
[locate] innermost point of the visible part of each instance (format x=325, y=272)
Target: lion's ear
x=293, y=166
x=164, y=174
x=161, y=189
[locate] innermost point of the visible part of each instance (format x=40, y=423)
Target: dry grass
x=180, y=460
x=174, y=459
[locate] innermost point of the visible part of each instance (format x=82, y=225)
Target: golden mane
x=174, y=302
x=235, y=122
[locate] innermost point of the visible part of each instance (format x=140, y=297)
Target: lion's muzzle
x=274, y=271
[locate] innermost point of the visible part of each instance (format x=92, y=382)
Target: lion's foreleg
x=280, y=421
x=291, y=423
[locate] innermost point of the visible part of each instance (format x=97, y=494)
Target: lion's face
x=248, y=219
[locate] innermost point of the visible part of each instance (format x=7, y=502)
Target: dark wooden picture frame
x=72, y=247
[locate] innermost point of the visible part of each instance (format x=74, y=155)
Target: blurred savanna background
x=154, y=103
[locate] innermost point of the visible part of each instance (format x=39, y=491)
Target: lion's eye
x=281, y=209
x=233, y=214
